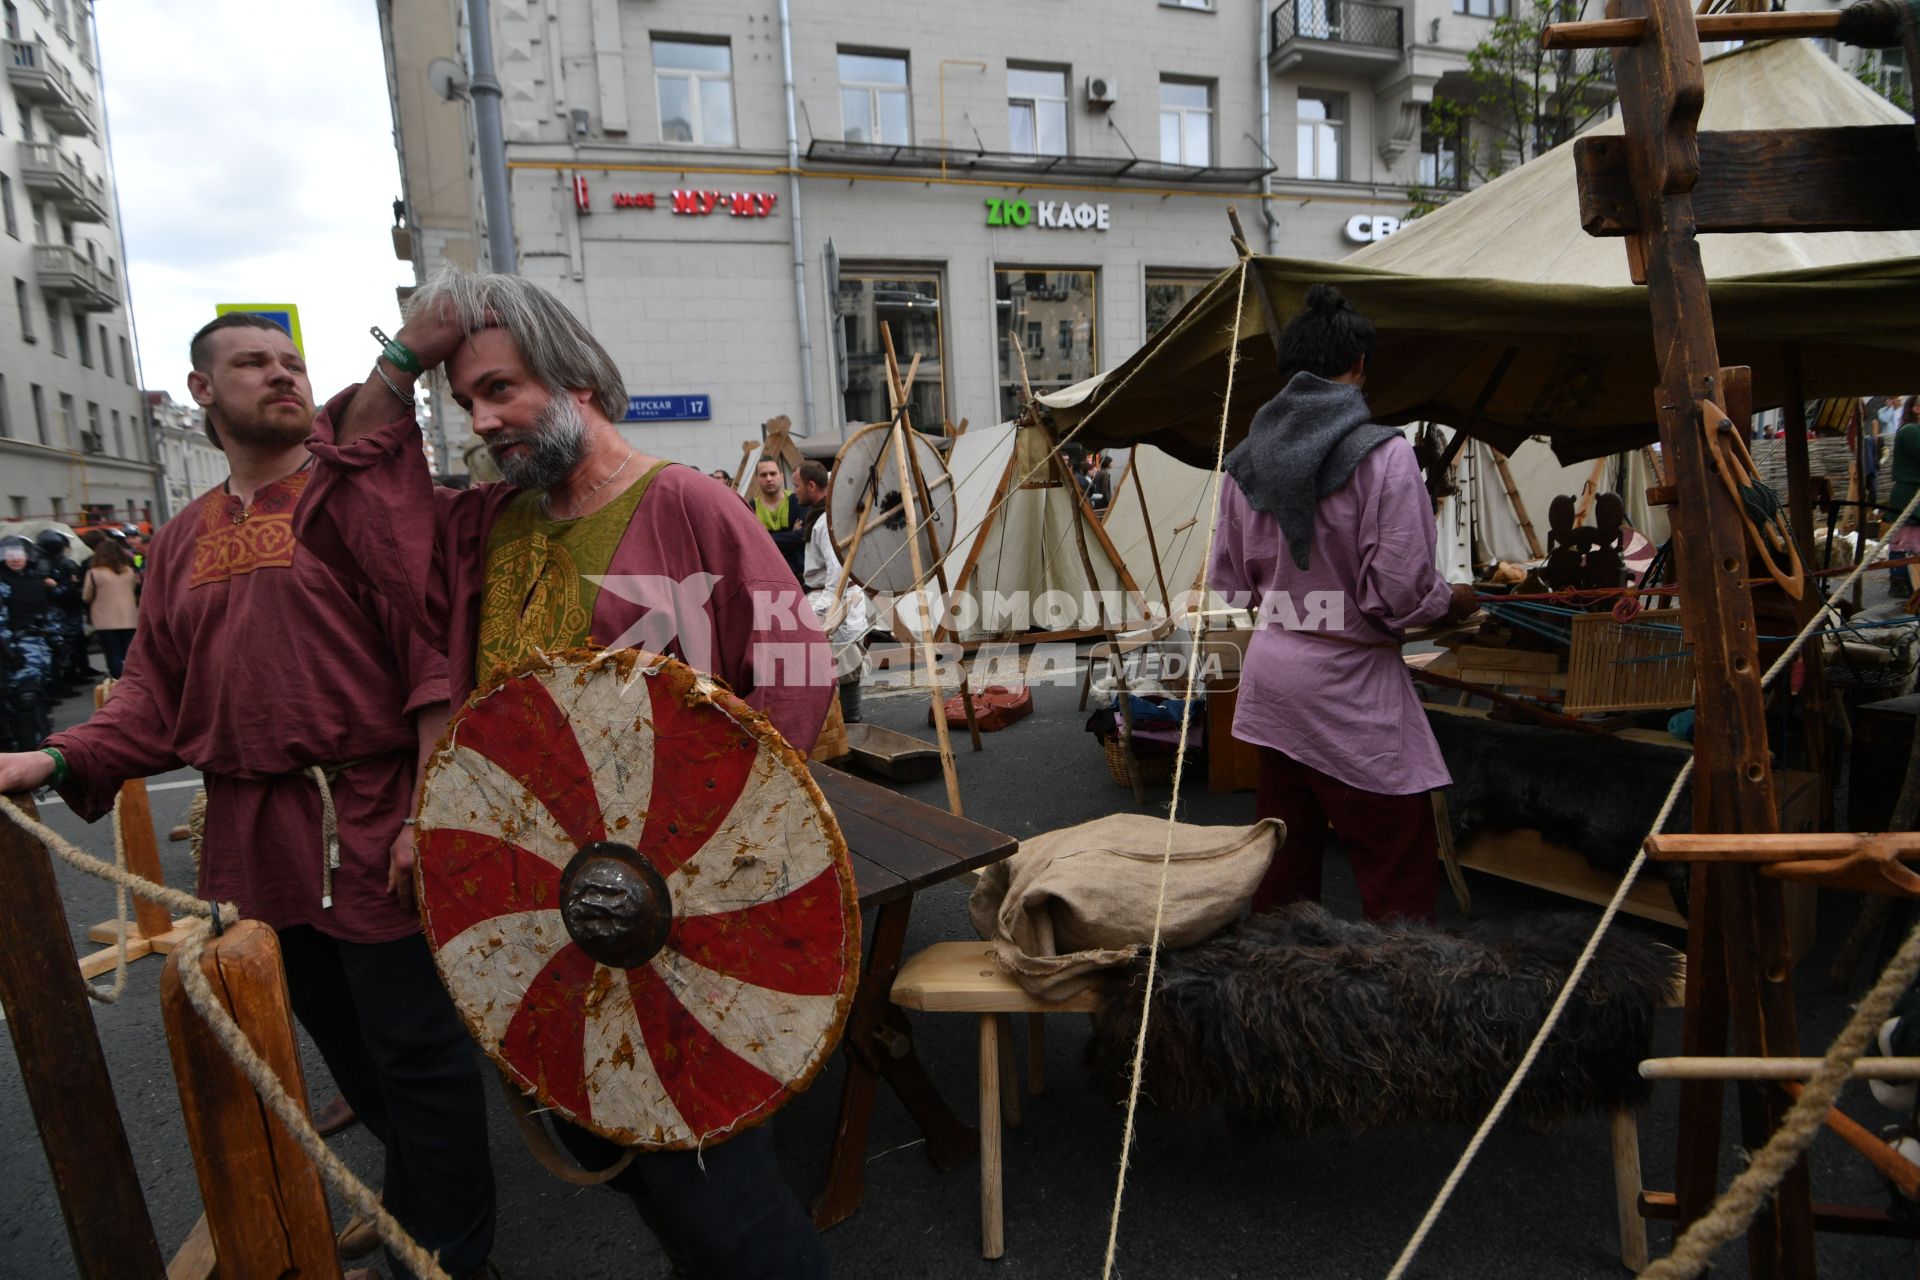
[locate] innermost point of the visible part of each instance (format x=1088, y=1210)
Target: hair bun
x=1325, y=300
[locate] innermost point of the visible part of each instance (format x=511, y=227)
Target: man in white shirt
x=820, y=574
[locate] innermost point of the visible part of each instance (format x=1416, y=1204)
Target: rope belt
x=323, y=777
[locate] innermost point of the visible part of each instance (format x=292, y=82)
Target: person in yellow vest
x=780, y=512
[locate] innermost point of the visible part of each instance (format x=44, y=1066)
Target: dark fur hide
x=1297, y=1022
x=1596, y=795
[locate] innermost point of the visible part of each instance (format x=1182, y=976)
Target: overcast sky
x=253, y=145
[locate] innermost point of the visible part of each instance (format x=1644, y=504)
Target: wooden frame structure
x=1660, y=186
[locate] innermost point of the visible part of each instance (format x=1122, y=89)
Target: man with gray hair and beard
x=587, y=542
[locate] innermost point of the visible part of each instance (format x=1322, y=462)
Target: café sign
x=1062, y=214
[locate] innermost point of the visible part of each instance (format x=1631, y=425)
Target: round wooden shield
x=639, y=900
x=866, y=492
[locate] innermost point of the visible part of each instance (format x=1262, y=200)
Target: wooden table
x=899, y=846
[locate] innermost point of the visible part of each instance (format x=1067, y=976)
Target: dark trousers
x=405, y=1062
x=1389, y=839
x=733, y=1219
x=113, y=646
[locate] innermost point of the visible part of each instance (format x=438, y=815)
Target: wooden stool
x=963, y=977
x=1627, y=1183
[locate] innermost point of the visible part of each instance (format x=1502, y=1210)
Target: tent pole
x=1146, y=518
x=1519, y=507
x=1259, y=281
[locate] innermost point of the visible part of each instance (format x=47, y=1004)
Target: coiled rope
x=291, y=1114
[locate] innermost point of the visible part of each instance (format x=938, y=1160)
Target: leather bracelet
x=394, y=387
x=61, y=771
x=397, y=352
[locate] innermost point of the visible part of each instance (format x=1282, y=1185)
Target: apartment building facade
x=73, y=439
x=189, y=459
x=1016, y=190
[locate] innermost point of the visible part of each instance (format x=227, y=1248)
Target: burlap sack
x=1075, y=901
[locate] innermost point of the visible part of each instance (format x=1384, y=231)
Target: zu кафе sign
x=1065, y=214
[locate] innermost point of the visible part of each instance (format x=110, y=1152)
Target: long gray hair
x=556, y=346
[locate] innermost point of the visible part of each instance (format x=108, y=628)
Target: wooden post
x=993, y=1240
x=1661, y=90
x=266, y=1206
x=64, y=1071
x=1534, y=548
x=1813, y=689
x=897, y=391
x=1146, y=518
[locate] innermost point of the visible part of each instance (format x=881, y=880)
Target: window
x=1168, y=291
x=19, y=502
x=6, y=417
x=694, y=81
x=1186, y=122
x=1481, y=8
x=1037, y=111
x=82, y=342
x=126, y=362
x=1318, y=156
x=13, y=21
x=908, y=303
x=26, y=312
x=1891, y=79
x=1187, y=4
x=95, y=443
x=1031, y=302
x=1439, y=161
x=6, y=206
x=106, y=352
x=873, y=99
x=39, y=412
x=119, y=444
x=39, y=221
x=53, y=327
x=26, y=119
x=67, y=426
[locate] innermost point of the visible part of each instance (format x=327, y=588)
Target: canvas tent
x=1015, y=538
x=1509, y=268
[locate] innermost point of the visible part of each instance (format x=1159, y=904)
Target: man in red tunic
x=256, y=665
x=588, y=543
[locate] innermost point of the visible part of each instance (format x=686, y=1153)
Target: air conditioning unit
x=1100, y=92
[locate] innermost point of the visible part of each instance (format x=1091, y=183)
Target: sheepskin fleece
x=1297, y=1022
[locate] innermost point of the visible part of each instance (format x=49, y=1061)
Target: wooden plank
x=993, y=1241
x=1813, y=688
x=1626, y=1189
x=1860, y=178
x=137, y=838
x=1526, y=856
x=873, y=882
x=1772, y=1068
x=964, y=977
x=61, y=1063
x=95, y=963
x=1781, y=846
x=1614, y=33
x=961, y=838
x=266, y=1205
x=195, y=1259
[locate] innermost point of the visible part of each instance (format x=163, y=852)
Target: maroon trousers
x=1389, y=839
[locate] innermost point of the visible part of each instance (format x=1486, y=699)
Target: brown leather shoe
x=334, y=1117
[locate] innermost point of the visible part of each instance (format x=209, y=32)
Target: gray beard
x=556, y=445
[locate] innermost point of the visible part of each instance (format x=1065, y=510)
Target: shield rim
x=694, y=683
x=950, y=502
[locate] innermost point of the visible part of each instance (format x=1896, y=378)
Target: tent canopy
x=1508, y=268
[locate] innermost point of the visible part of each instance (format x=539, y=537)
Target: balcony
x=37, y=78
x=64, y=181
x=1335, y=35
x=64, y=272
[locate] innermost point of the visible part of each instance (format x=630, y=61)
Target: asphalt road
x=1201, y=1201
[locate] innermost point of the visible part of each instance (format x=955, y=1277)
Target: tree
x=1885, y=72
x=1520, y=99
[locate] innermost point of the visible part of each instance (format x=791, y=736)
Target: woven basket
x=1616, y=666
x=1153, y=770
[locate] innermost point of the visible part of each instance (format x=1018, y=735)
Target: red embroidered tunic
x=251, y=662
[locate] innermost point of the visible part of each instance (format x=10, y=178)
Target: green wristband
x=60, y=770
x=397, y=353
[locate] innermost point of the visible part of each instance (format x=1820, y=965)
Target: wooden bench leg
x=1009, y=1073
x=1036, y=1053
x=992, y=1230
x=1626, y=1189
